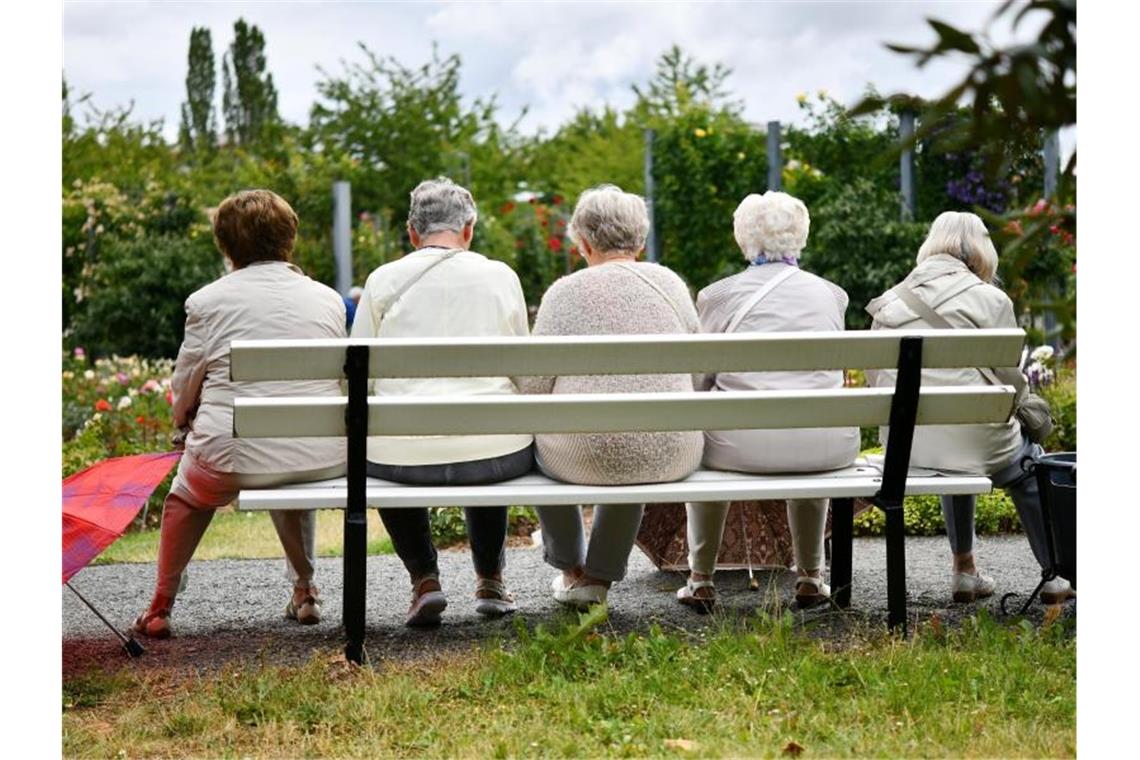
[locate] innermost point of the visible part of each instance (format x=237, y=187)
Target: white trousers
x=807, y=518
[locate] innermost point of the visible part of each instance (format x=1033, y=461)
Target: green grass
x=762, y=688
x=247, y=535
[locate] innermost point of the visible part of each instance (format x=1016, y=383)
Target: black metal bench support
x=355, y=515
x=904, y=412
x=842, y=523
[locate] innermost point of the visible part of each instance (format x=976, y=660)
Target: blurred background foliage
x=135, y=210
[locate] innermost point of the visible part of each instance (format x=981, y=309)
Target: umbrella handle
x=132, y=647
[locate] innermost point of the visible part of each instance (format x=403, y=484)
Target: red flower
x=533, y=200
x=140, y=419
x=544, y=224
x=102, y=405
x=556, y=200
x=507, y=208
x=555, y=244
x=169, y=396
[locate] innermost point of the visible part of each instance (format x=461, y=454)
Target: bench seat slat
x=535, y=489
x=622, y=354
x=573, y=413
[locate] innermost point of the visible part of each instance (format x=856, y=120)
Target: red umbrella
x=98, y=505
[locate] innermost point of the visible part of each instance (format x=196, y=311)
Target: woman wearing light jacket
x=264, y=297
x=772, y=295
x=444, y=289
x=954, y=277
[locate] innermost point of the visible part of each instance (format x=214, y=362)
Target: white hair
x=439, y=204
x=774, y=225
x=964, y=236
x=610, y=219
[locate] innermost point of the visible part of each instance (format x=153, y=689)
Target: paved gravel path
x=232, y=609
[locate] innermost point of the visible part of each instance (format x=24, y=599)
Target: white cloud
x=551, y=57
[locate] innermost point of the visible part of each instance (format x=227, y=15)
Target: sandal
x=492, y=598
x=427, y=606
x=304, y=606
x=821, y=593
x=155, y=622
x=687, y=595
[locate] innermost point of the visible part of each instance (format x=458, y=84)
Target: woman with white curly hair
x=772, y=295
x=952, y=286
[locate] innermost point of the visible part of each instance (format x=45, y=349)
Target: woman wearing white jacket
x=954, y=278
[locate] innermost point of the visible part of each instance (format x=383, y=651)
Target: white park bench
x=359, y=415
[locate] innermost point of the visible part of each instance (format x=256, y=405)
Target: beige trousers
x=807, y=518
x=198, y=491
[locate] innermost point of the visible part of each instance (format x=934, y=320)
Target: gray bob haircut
x=610, y=219
x=773, y=225
x=964, y=236
x=438, y=205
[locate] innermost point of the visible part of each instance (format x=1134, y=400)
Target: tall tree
x=679, y=83
x=249, y=99
x=198, y=130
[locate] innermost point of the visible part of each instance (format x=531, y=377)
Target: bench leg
x=355, y=556
x=896, y=569
x=842, y=520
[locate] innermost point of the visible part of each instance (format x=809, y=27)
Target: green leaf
x=953, y=39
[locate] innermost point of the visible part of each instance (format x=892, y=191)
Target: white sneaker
x=1057, y=591
x=580, y=597
x=966, y=588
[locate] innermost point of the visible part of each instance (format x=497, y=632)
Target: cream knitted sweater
x=609, y=299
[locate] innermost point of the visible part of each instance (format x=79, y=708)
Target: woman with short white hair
x=952, y=286
x=771, y=295
x=614, y=295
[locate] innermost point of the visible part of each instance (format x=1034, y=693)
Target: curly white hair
x=774, y=225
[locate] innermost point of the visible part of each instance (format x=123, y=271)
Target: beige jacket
x=801, y=302
x=464, y=295
x=611, y=299
x=265, y=300
x=939, y=282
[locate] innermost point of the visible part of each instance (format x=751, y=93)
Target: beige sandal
x=687, y=595
x=821, y=593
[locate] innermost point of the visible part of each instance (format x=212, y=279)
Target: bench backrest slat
x=623, y=354
x=573, y=413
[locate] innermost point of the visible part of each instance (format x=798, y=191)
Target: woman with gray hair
x=952, y=286
x=772, y=295
x=614, y=295
x=445, y=289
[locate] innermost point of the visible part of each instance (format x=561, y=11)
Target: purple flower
x=80, y=353
x=123, y=378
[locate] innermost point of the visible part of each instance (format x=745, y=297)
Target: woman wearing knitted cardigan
x=614, y=295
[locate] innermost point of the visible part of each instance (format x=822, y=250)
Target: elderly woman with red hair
x=263, y=296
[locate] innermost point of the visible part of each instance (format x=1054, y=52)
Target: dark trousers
x=410, y=528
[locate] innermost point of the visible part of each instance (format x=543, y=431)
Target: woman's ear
x=413, y=237
x=468, y=233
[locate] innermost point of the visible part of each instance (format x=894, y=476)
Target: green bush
x=136, y=291
x=923, y=517
x=858, y=242
x=448, y=527
x=1062, y=398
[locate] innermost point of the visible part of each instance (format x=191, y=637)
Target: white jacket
x=972, y=449
x=465, y=295
x=802, y=302
x=265, y=300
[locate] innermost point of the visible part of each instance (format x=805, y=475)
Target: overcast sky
x=552, y=57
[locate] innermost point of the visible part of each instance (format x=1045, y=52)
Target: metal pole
x=775, y=160
x=132, y=647
x=906, y=166
x=356, y=507
x=1052, y=151
x=652, y=253
x=342, y=235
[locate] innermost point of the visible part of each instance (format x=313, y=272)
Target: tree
x=680, y=83
x=198, y=130
x=249, y=99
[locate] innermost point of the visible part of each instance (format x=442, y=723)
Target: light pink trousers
x=195, y=495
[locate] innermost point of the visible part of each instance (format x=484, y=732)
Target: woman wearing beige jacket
x=772, y=295
x=614, y=295
x=265, y=296
x=954, y=277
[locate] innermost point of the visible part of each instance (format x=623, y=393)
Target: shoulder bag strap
x=936, y=320
x=417, y=276
x=660, y=291
x=757, y=297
